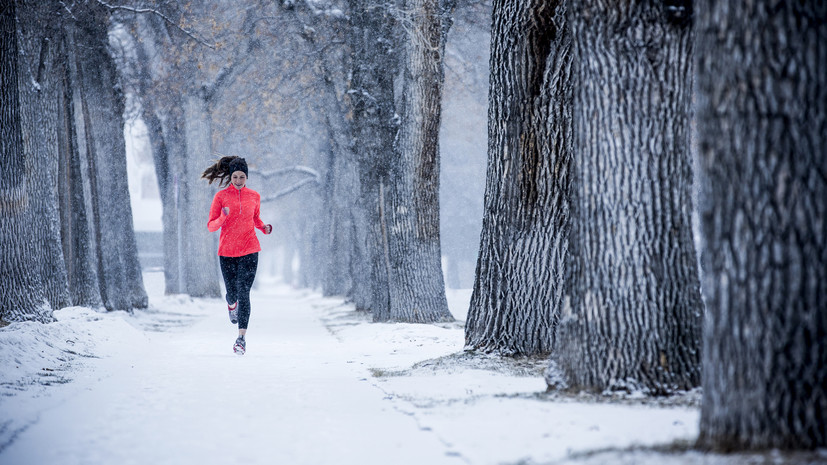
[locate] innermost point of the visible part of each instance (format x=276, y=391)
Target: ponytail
x=219, y=170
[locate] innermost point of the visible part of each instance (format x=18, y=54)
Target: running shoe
x=233, y=312
x=240, y=346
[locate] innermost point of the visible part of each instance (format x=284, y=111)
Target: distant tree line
x=374, y=72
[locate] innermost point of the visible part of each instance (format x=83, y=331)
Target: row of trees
x=587, y=246
x=587, y=249
x=66, y=235
x=376, y=71
x=361, y=75
x=587, y=234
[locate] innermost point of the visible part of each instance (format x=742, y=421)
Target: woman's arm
x=217, y=215
x=265, y=228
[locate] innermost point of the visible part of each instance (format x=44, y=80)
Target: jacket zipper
x=240, y=207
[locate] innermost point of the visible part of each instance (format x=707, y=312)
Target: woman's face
x=238, y=179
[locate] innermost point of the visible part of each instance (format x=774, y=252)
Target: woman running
x=235, y=210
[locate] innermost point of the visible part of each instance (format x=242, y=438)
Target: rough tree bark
x=100, y=118
x=168, y=178
x=762, y=125
x=635, y=315
x=78, y=247
x=39, y=42
x=12, y=190
x=200, y=270
x=340, y=254
x=76, y=239
x=519, y=278
x=374, y=64
x=341, y=200
x=345, y=262
x=415, y=280
x=23, y=297
x=165, y=128
x=169, y=169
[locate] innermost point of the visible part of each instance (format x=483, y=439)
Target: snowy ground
x=320, y=384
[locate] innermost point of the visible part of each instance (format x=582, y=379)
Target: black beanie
x=238, y=164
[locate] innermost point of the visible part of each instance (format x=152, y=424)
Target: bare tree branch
x=158, y=13
x=288, y=190
x=292, y=169
x=244, y=58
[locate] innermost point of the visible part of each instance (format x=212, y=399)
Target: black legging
x=239, y=273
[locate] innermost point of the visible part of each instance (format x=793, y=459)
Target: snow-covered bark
x=762, y=136
x=78, y=247
x=12, y=188
x=519, y=279
x=341, y=199
x=76, y=244
x=199, y=247
x=22, y=296
x=169, y=171
x=635, y=313
x=374, y=64
x=99, y=112
x=165, y=130
x=39, y=80
x=416, y=283
x=164, y=143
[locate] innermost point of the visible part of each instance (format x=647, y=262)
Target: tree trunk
x=349, y=263
x=519, y=279
x=340, y=195
x=762, y=125
x=164, y=127
x=340, y=199
x=360, y=266
x=167, y=178
x=374, y=64
x=78, y=248
x=169, y=171
x=12, y=188
x=39, y=98
x=119, y=271
x=23, y=297
x=635, y=314
x=200, y=260
x=311, y=249
x=377, y=243
x=416, y=284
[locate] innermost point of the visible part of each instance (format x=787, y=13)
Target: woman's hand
x=226, y=210
x=268, y=229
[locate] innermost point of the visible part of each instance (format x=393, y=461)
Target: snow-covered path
x=320, y=384
x=182, y=396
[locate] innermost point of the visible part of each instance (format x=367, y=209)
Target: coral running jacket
x=238, y=234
